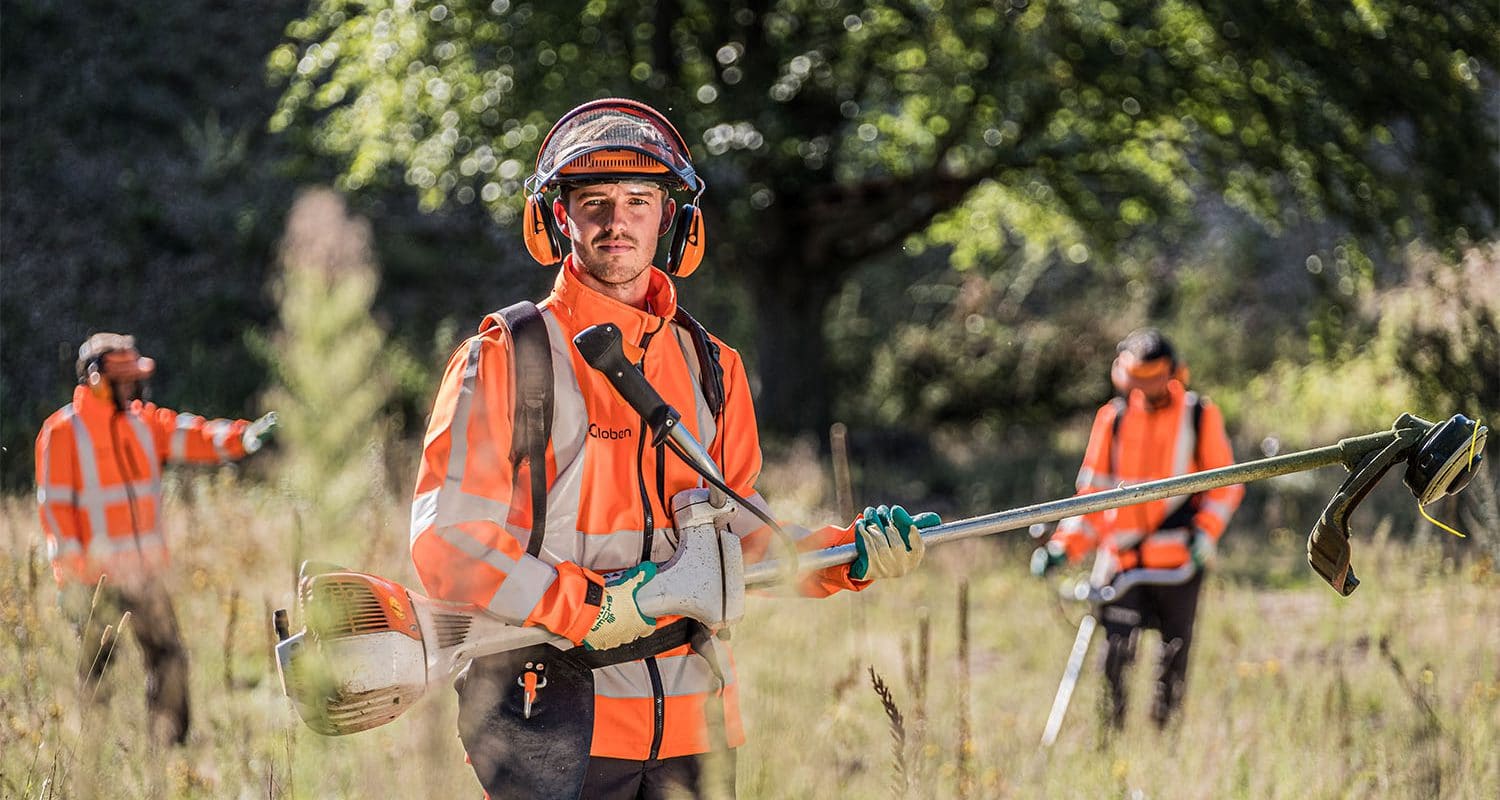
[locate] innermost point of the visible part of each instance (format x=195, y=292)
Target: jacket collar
x=582, y=306
x=86, y=405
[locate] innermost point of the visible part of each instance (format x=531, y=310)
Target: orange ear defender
x=686, y=251
x=542, y=239
x=1181, y=373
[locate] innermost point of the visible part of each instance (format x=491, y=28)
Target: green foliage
x=332, y=385
x=1429, y=345
x=141, y=194
x=962, y=348
x=1071, y=132
x=1441, y=327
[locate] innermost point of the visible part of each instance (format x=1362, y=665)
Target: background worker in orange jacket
x=1154, y=429
x=626, y=714
x=98, y=472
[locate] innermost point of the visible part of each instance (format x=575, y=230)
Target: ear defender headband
x=613, y=139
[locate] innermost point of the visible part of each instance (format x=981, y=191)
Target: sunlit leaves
x=1128, y=110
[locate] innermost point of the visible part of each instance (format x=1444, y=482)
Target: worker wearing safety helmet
x=98, y=472
x=1155, y=428
x=626, y=713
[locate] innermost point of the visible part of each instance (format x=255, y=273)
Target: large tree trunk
x=790, y=300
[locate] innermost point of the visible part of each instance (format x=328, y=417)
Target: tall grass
x=1293, y=693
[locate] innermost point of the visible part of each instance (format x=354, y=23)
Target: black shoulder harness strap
x=711, y=372
x=533, y=414
x=532, y=426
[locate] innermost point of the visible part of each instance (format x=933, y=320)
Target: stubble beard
x=612, y=272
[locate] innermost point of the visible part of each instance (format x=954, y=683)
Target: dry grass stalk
x=965, y=742
x=1427, y=744
x=843, y=489
x=898, y=733
x=918, y=665
x=1414, y=691
x=229, y=622
x=107, y=641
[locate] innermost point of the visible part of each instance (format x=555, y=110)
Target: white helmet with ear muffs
x=106, y=360
x=614, y=139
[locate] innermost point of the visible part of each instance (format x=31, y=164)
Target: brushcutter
x=1097, y=593
x=370, y=647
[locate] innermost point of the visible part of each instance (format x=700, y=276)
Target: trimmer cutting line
x=371, y=647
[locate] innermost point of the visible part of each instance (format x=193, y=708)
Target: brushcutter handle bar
x=1349, y=452
x=601, y=347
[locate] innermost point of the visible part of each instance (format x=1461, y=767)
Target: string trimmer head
x=1440, y=461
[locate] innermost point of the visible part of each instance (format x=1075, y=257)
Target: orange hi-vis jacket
x=608, y=502
x=98, y=481
x=1131, y=443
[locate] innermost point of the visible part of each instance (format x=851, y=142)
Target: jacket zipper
x=648, y=533
x=658, y=706
x=127, y=476
x=648, y=520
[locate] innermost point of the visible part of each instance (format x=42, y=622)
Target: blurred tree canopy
x=142, y=193
x=1018, y=138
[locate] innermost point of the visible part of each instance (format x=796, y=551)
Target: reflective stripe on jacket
x=1146, y=445
x=98, y=481
x=608, y=502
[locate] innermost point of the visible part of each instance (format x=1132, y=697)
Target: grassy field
x=1293, y=692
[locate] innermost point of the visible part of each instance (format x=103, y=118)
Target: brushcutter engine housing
x=371, y=647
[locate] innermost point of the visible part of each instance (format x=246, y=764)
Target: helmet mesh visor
x=610, y=144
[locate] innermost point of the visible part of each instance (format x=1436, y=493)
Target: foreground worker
x=98, y=472
x=1154, y=429
x=627, y=713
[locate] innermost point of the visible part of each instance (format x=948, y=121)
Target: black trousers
x=543, y=751
x=153, y=625
x=1169, y=609
x=666, y=779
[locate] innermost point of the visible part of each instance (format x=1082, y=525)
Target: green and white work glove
x=1047, y=558
x=887, y=542
x=1204, y=548
x=620, y=619
x=259, y=432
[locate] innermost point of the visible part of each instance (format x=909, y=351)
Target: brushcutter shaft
x=1069, y=680
x=1348, y=452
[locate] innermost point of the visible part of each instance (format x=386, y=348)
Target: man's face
x=127, y=372
x=1156, y=393
x=614, y=227
x=1151, y=377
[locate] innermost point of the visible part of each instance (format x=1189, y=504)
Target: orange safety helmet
x=614, y=139
x=1146, y=361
